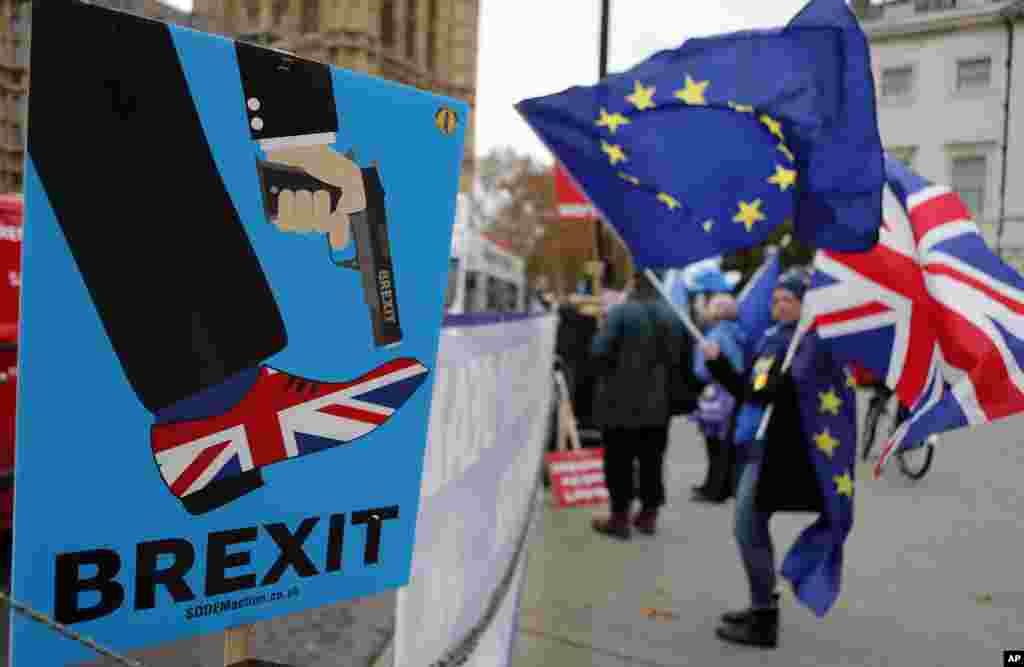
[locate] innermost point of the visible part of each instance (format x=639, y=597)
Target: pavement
x=349, y=634
x=933, y=577
x=933, y=573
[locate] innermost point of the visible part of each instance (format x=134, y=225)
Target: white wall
x=938, y=121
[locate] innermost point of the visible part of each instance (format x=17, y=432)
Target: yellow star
x=774, y=126
x=611, y=120
x=626, y=177
x=642, y=98
x=749, y=213
x=844, y=484
x=668, y=200
x=783, y=177
x=830, y=402
x=826, y=443
x=694, y=91
x=614, y=152
x=742, y=108
x=788, y=153
x=708, y=225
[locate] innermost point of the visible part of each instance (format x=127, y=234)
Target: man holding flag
x=804, y=463
x=708, y=148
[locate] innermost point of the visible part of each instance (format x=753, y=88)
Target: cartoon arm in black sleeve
x=290, y=105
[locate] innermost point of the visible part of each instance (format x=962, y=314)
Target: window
x=904, y=154
x=280, y=9
x=410, y=30
x=22, y=104
x=310, y=16
x=453, y=282
x=387, y=23
x=22, y=22
x=974, y=73
x=933, y=5
x=968, y=180
x=432, y=36
x=897, y=81
x=253, y=10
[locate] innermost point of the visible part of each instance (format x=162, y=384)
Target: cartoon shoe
x=210, y=447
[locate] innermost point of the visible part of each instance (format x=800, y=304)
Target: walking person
x=776, y=473
x=632, y=357
x=715, y=405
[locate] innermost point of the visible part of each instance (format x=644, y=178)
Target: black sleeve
x=777, y=386
x=285, y=96
x=722, y=371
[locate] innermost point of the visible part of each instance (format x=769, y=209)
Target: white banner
x=488, y=426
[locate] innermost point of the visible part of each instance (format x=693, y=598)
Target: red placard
x=572, y=204
x=11, y=209
x=577, y=477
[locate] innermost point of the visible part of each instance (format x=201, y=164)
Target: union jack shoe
x=210, y=448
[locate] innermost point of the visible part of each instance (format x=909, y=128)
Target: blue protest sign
x=234, y=269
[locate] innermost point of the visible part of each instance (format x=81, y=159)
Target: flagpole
x=602, y=69
x=685, y=317
x=802, y=328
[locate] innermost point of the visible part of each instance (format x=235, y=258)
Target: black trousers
x=720, y=478
x=645, y=448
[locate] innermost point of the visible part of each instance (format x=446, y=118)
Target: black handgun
x=369, y=231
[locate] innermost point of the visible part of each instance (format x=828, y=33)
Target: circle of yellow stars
x=694, y=92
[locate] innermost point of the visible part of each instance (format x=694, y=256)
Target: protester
x=777, y=474
x=631, y=358
x=715, y=405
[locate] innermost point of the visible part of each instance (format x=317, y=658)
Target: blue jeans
x=753, y=539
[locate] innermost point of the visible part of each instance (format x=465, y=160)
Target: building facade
x=429, y=44
x=950, y=88
x=14, y=41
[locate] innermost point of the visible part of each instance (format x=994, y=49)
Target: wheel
x=914, y=463
x=878, y=415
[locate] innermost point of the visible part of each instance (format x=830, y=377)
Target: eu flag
x=707, y=148
x=755, y=304
x=814, y=563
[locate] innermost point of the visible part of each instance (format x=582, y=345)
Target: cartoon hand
x=305, y=211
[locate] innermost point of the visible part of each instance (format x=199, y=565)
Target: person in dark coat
x=631, y=356
x=776, y=474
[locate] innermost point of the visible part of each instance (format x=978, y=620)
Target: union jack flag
x=931, y=310
x=281, y=417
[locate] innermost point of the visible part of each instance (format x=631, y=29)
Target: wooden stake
x=236, y=644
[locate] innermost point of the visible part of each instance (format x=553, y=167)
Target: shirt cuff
x=277, y=143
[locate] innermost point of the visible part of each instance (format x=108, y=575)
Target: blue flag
x=705, y=149
x=678, y=293
x=755, y=305
x=711, y=281
x=814, y=563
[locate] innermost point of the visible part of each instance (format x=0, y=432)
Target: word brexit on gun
x=243, y=441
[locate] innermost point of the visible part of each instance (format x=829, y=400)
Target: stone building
x=13, y=91
x=429, y=44
x=950, y=90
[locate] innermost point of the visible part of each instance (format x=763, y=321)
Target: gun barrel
x=373, y=250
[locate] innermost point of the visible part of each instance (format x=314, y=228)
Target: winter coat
x=631, y=365
x=788, y=481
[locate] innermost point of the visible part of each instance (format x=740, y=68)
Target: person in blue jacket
x=715, y=405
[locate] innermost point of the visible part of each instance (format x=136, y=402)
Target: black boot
x=742, y=616
x=761, y=628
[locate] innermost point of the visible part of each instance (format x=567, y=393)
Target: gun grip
x=275, y=177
